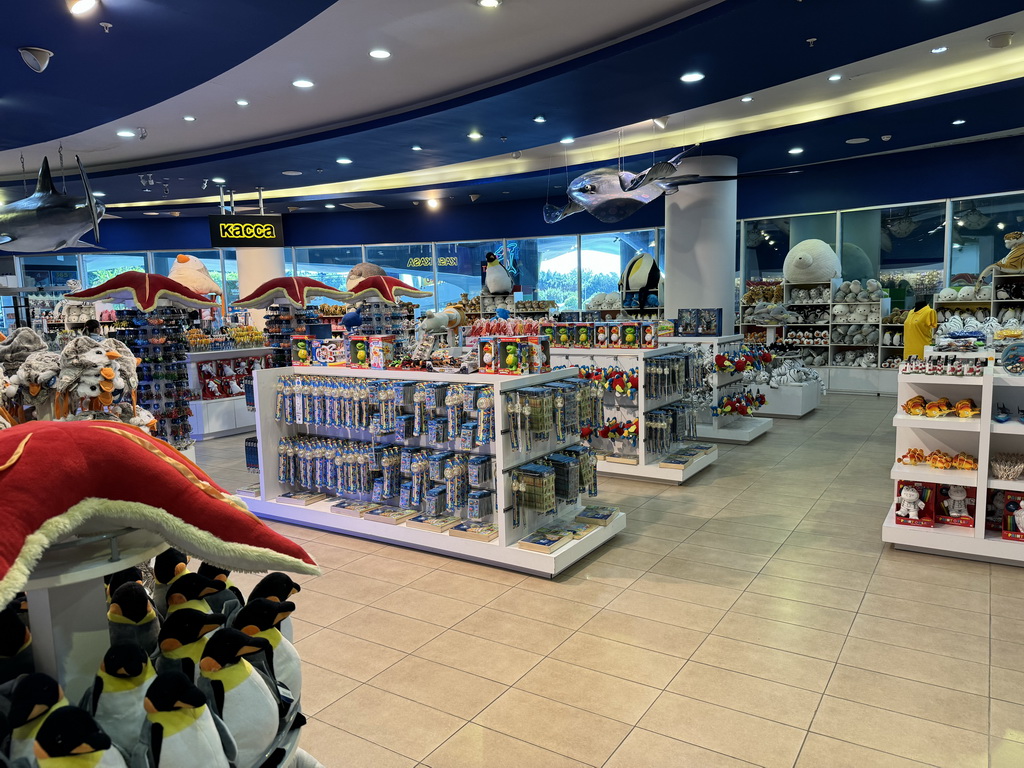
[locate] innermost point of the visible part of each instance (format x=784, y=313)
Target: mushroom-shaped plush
x=295, y=291
x=145, y=290
x=360, y=272
x=192, y=273
x=810, y=261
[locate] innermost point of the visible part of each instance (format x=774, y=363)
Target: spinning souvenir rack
x=660, y=417
x=515, y=451
x=929, y=450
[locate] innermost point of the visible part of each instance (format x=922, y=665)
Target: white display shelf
x=227, y=354
x=742, y=430
x=222, y=416
x=653, y=471
x=501, y=552
x=1009, y=428
x=941, y=422
x=923, y=379
x=1006, y=485
x=953, y=541
x=926, y=474
x=790, y=401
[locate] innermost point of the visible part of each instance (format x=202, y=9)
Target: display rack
x=501, y=551
x=980, y=436
x=222, y=416
x=727, y=428
x=647, y=464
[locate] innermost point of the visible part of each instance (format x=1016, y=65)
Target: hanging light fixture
x=37, y=59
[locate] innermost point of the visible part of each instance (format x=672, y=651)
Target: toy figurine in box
x=328, y=352
x=1013, y=516
x=563, y=335
x=301, y=350
x=358, y=351
x=648, y=335
x=510, y=356
x=485, y=355
x=382, y=350
x=629, y=335
x=686, y=323
x=548, y=329
x=915, y=504
x=583, y=335
x=956, y=505
x=540, y=354
x=709, y=322
x=601, y=335
x=614, y=335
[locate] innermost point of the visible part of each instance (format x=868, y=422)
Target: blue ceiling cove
x=155, y=49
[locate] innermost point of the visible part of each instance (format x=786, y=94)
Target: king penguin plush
x=118, y=691
x=168, y=566
x=239, y=694
x=35, y=698
x=260, y=618
x=279, y=587
x=190, y=590
x=497, y=280
x=15, y=645
x=180, y=729
x=131, y=617
x=70, y=738
x=229, y=599
x=640, y=275
x=115, y=580
x=183, y=638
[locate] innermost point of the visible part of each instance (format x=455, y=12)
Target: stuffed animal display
x=853, y=291
x=1011, y=264
x=811, y=261
x=771, y=293
x=938, y=459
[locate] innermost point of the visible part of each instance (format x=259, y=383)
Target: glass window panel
x=901, y=246
x=50, y=271
x=547, y=269
x=605, y=256
x=979, y=225
x=231, y=275
x=411, y=263
x=328, y=265
x=100, y=267
x=459, y=268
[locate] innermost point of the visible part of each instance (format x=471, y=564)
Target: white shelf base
x=790, y=401
x=741, y=430
x=926, y=474
x=487, y=552
x=953, y=541
x=652, y=471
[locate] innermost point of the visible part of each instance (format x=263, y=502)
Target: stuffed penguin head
x=131, y=600
x=192, y=586
x=14, y=635
x=170, y=691
x=187, y=626
x=168, y=565
x=125, y=660
x=69, y=731
x=262, y=614
x=275, y=586
x=115, y=580
x=34, y=695
x=229, y=646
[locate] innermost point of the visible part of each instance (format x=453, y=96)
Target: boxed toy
x=601, y=335
x=915, y=503
x=629, y=335
x=358, y=352
x=540, y=354
x=511, y=357
x=708, y=322
x=614, y=335
x=485, y=356
x=563, y=335
x=955, y=505
x=548, y=329
x=583, y=335
x=382, y=350
x=302, y=350
x=648, y=335
x=1013, y=516
x=328, y=352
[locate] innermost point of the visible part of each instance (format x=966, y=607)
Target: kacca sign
x=246, y=231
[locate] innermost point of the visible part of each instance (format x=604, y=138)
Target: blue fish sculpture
x=48, y=220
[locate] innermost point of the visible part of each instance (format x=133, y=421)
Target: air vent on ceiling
x=361, y=206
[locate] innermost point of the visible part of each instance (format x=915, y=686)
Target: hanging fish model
x=48, y=220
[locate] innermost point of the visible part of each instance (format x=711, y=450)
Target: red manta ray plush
x=108, y=472
x=145, y=290
x=296, y=291
x=384, y=288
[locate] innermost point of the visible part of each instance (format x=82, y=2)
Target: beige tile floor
x=750, y=617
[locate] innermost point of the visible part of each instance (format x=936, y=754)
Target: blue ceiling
x=741, y=45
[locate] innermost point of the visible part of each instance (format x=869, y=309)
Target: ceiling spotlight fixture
x=999, y=225
x=959, y=122
x=940, y=49
x=474, y=197
x=218, y=180
x=796, y=151
x=488, y=3
x=291, y=173
x=835, y=78
x=567, y=140
x=380, y=53
x=99, y=194
x=540, y=119
x=126, y=134
x=1000, y=40
x=242, y=102
x=661, y=122
x=78, y=7
x=747, y=99
x=150, y=213
x=343, y=161
x=330, y=205
x=189, y=118
x=858, y=140
x=417, y=148
x=37, y=59
x=433, y=203
x=692, y=77
x=475, y=135
x=302, y=83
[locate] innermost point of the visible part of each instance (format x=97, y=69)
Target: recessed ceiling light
x=540, y=119
x=288, y=173
x=189, y=119
x=78, y=7
x=126, y=134
x=99, y=194
x=940, y=49
x=150, y=213
x=417, y=148
x=747, y=99
x=380, y=53
x=242, y=102
x=692, y=77
x=959, y=122
x=858, y=140
x=343, y=161
x=330, y=205
x=475, y=135
x=488, y=3
x=796, y=151
x=302, y=83
x=218, y=180
x=999, y=225
x=834, y=78
x=433, y=203
x=567, y=140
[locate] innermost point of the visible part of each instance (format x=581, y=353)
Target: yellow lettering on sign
x=248, y=231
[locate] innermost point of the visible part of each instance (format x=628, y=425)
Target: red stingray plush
x=144, y=290
x=385, y=288
x=60, y=477
x=296, y=291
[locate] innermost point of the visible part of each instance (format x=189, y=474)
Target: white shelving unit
x=502, y=551
x=226, y=415
x=978, y=436
x=730, y=428
x=647, y=466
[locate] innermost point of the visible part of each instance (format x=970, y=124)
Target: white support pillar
x=255, y=267
x=700, y=241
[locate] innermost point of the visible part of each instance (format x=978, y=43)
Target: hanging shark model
x=48, y=220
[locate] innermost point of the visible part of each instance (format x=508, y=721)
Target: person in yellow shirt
x=917, y=329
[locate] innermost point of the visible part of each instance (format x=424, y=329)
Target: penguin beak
x=33, y=389
x=112, y=354
x=208, y=664
x=182, y=258
x=37, y=710
x=171, y=644
x=251, y=630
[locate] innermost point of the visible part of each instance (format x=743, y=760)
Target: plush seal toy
x=183, y=638
x=261, y=618
x=131, y=617
x=239, y=694
x=15, y=645
x=280, y=587
x=34, y=699
x=117, y=692
x=180, y=730
x=71, y=738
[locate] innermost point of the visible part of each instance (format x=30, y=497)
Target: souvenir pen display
x=533, y=490
x=667, y=375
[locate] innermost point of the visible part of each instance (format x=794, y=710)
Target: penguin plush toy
x=118, y=691
x=190, y=590
x=131, y=617
x=640, y=276
x=279, y=587
x=180, y=730
x=497, y=280
x=115, y=580
x=70, y=738
x=15, y=645
x=239, y=694
x=168, y=566
x=35, y=698
x=183, y=638
x=260, y=618
x=230, y=598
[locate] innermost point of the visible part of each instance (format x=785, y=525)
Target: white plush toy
x=810, y=261
x=947, y=294
x=984, y=293
x=910, y=503
x=874, y=289
x=956, y=504
x=966, y=293
x=192, y=273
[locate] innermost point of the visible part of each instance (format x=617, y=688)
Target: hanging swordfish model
x=611, y=195
x=48, y=220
